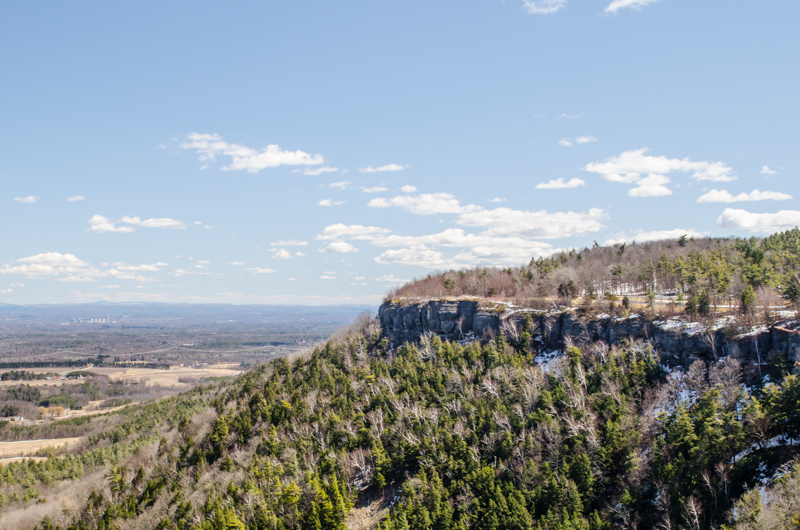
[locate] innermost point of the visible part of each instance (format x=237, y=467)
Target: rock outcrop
x=679, y=342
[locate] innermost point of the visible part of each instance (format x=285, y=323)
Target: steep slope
x=461, y=436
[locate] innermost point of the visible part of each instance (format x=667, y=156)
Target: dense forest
x=717, y=274
x=441, y=435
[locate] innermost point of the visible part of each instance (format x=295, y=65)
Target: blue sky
x=320, y=152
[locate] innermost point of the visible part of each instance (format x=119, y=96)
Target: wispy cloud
x=69, y=268
x=375, y=189
x=424, y=204
x=259, y=270
x=341, y=184
x=766, y=171
x=560, y=183
x=209, y=146
x=100, y=224
x=27, y=200
x=408, y=188
x=565, y=142
x=316, y=170
x=497, y=199
x=380, y=169
x=329, y=202
x=340, y=230
x=585, y=139
x=76, y=198
x=616, y=5
x=289, y=243
x=390, y=278
x=657, y=235
x=543, y=7
x=161, y=222
x=755, y=195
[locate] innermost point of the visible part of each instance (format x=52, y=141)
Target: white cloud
x=351, y=231
x=360, y=278
x=329, y=202
x=538, y=225
x=380, y=169
x=408, y=188
x=651, y=186
x=418, y=256
x=27, y=200
x=497, y=199
x=543, y=7
x=560, y=184
x=120, y=266
x=316, y=170
x=341, y=247
x=616, y=5
x=481, y=248
x=247, y=158
x=375, y=189
x=101, y=224
x=425, y=204
x=54, y=259
x=755, y=195
x=76, y=198
x=572, y=116
x=289, y=243
x=109, y=287
x=282, y=254
x=389, y=278
x=71, y=269
x=565, y=142
x=299, y=254
x=735, y=219
x=326, y=277
x=656, y=235
x=631, y=165
x=341, y=185
x=237, y=263
x=766, y=171
x=585, y=139
x=259, y=270
x=161, y=222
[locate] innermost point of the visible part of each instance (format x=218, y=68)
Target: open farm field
x=30, y=447
x=176, y=376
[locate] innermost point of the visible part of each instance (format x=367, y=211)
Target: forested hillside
x=450, y=436
x=713, y=275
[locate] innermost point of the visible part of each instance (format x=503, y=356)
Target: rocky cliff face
x=678, y=342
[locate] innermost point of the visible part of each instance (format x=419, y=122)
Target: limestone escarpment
x=677, y=341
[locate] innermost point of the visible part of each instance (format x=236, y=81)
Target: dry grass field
x=169, y=377
x=30, y=447
x=149, y=376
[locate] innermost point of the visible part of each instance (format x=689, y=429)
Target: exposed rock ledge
x=677, y=341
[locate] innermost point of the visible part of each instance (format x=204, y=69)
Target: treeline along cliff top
x=702, y=276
